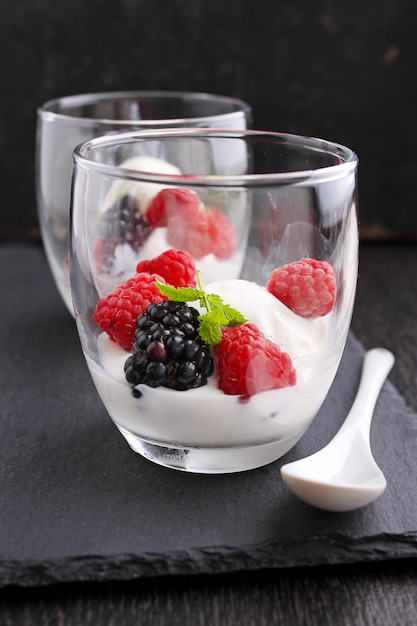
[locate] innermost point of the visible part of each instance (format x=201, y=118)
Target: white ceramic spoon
x=343, y=476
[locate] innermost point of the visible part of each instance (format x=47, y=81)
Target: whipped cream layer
x=142, y=191
x=126, y=260
x=206, y=416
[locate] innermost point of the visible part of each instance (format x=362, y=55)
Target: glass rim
x=46, y=110
x=347, y=166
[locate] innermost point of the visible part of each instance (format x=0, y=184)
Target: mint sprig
x=218, y=316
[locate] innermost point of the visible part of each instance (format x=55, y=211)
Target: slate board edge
x=331, y=550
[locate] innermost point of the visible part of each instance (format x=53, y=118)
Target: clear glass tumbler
x=213, y=303
x=63, y=123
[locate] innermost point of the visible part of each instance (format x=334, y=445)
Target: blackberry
x=168, y=350
x=121, y=223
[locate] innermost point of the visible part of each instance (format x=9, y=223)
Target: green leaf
x=214, y=301
x=179, y=294
x=218, y=314
x=209, y=332
x=233, y=315
x=215, y=317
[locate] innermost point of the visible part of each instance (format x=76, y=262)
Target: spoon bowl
x=344, y=476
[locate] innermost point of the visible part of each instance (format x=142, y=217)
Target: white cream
x=126, y=260
x=142, y=191
x=301, y=338
x=208, y=417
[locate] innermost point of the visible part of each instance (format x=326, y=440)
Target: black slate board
x=77, y=504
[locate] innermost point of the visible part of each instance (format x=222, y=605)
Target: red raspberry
x=307, y=287
x=116, y=313
x=202, y=232
x=222, y=234
x=169, y=202
x=175, y=266
x=248, y=362
x=190, y=230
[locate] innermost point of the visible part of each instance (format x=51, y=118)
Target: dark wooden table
x=356, y=595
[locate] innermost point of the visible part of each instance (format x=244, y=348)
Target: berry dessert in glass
x=213, y=298
x=62, y=123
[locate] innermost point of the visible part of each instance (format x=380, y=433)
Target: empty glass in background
x=279, y=199
x=65, y=122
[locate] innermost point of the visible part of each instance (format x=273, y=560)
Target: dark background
x=344, y=71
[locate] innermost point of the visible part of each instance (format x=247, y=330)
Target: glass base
x=209, y=460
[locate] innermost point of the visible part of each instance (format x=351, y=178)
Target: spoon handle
x=376, y=366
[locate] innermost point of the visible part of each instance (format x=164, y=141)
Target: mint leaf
x=210, y=329
x=214, y=301
x=179, y=294
x=233, y=315
x=215, y=317
x=209, y=332
x=218, y=314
